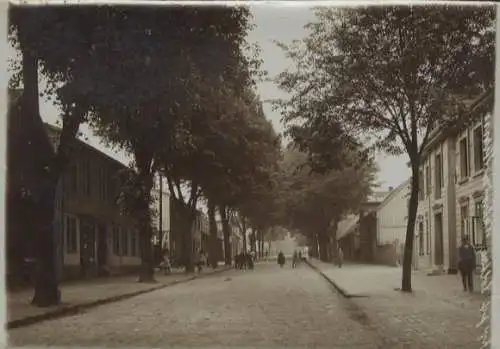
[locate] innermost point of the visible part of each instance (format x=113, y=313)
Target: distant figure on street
x=281, y=259
x=300, y=256
x=467, y=263
x=295, y=258
x=165, y=264
x=197, y=260
x=203, y=259
x=340, y=257
x=249, y=260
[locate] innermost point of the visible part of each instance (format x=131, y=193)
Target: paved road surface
x=265, y=308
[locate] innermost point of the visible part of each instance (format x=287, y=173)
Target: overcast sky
x=281, y=23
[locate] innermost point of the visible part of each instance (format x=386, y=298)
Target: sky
x=272, y=22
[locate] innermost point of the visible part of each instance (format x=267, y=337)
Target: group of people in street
x=297, y=257
x=244, y=260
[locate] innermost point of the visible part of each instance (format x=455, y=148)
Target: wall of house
x=391, y=217
x=90, y=191
x=387, y=254
x=469, y=189
x=433, y=204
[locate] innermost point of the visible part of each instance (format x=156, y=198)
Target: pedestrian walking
x=197, y=260
x=340, y=257
x=295, y=256
x=166, y=265
x=281, y=259
x=467, y=263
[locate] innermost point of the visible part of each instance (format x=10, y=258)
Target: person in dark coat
x=467, y=263
x=281, y=259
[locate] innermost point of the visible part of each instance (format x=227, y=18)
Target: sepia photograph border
x=490, y=273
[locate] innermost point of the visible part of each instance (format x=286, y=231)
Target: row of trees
x=385, y=77
x=172, y=86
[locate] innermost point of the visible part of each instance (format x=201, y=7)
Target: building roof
x=87, y=146
x=393, y=193
x=347, y=225
x=13, y=98
x=376, y=197
x=440, y=134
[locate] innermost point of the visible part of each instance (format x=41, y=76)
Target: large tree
x=391, y=75
x=315, y=202
x=53, y=40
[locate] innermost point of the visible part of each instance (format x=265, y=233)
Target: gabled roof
x=393, y=193
x=347, y=225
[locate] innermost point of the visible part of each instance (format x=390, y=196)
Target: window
x=421, y=185
x=71, y=234
x=478, y=235
x=478, y=149
x=428, y=180
x=439, y=180
x=428, y=235
x=116, y=241
x=124, y=242
x=464, y=220
x=464, y=159
x=134, y=243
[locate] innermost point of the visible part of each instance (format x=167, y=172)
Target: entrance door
x=87, y=247
x=438, y=242
x=102, y=248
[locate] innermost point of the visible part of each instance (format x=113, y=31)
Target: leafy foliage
x=388, y=77
x=314, y=199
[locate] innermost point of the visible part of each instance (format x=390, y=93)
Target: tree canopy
x=389, y=76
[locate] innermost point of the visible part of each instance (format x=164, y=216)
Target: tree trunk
x=314, y=245
x=332, y=233
x=41, y=157
x=410, y=230
x=187, y=240
x=212, y=253
x=252, y=240
x=261, y=244
x=226, y=229
x=145, y=183
x=323, y=247
x=244, y=232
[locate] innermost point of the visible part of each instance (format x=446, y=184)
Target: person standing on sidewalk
x=340, y=257
x=294, y=259
x=197, y=260
x=467, y=263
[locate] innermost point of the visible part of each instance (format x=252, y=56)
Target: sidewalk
x=438, y=314
x=89, y=293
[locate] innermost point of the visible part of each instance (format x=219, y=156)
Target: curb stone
x=339, y=289
x=77, y=308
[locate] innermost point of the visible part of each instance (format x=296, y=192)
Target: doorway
x=102, y=249
x=438, y=242
x=421, y=239
x=87, y=247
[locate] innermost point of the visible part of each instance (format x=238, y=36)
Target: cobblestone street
x=438, y=314
x=266, y=307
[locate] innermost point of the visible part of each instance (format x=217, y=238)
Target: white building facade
x=451, y=195
x=392, y=216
